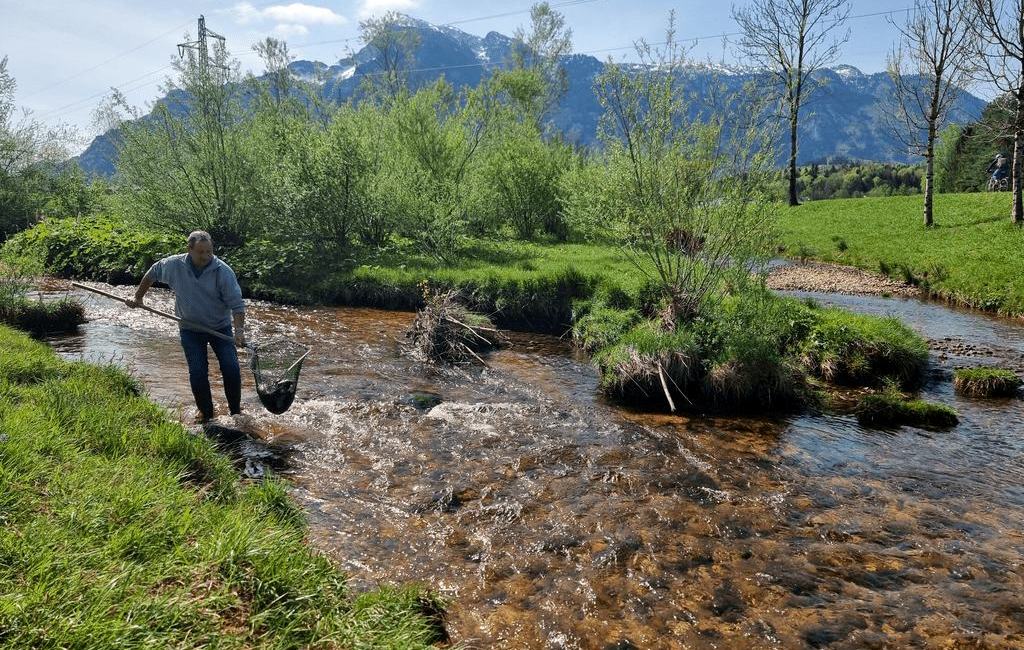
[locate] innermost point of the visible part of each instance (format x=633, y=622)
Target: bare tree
x=929, y=67
x=1000, y=26
x=792, y=39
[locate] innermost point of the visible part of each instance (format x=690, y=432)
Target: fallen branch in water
x=446, y=331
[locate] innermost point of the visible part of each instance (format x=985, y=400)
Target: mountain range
x=845, y=118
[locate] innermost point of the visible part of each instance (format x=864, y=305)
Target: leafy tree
x=687, y=198
x=394, y=48
x=183, y=167
x=30, y=153
x=537, y=80
x=521, y=173
x=947, y=157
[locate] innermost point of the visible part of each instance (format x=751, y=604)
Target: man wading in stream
x=206, y=292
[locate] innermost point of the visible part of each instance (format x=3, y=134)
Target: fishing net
x=275, y=366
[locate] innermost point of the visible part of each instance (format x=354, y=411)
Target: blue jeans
x=194, y=344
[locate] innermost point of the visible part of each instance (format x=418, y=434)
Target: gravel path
x=832, y=278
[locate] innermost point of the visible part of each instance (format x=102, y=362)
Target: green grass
x=890, y=409
x=756, y=352
x=986, y=382
x=520, y=285
x=120, y=529
x=972, y=256
x=853, y=349
x=39, y=317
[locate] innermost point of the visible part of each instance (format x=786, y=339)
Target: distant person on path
x=206, y=292
x=999, y=167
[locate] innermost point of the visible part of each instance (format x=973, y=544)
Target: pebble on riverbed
x=833, y=278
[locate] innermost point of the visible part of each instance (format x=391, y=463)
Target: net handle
x=186, y=323
x=297, y=362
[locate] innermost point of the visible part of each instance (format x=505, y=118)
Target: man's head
x=200, y=248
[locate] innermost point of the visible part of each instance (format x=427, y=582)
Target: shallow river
x=552, y=519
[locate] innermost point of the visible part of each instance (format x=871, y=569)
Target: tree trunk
x=793, y=198
x=1017, y=214
x=929, y=179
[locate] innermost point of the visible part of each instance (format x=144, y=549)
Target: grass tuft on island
x=986, y=382
x=35, y=316
x=755, y=352
x=120, y=528
x=891, y=409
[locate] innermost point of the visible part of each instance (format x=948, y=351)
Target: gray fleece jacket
x=209, y=299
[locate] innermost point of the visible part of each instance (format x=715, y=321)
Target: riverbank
x=971, y=257
x=747, y=348
x=121, y=528
x=835, y=278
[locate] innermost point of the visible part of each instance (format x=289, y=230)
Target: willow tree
x=929, y=67
x=686, y=195
x=183, y=167
x=393, y=44
x=1000, y=27
x=791, y=40
x=536, y=80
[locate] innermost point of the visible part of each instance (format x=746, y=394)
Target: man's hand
x=240, y=339
x=134, y=302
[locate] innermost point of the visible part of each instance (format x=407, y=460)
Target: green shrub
x=986, y=382
x=39, y=318
x=890, y=409
x=98, y=248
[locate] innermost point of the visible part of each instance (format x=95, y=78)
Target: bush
x=521, y=173
x=35, y=316
x=97, y=248
x=986, y=382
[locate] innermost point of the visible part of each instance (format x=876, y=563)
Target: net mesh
x=275, y=366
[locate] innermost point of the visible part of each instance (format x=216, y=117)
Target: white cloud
x=287, y=30
x=376, y=7
x=294, y=14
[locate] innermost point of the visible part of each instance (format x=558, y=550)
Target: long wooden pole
x=186, y=323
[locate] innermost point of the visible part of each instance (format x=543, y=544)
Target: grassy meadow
x=118, y=528
x=972, y=256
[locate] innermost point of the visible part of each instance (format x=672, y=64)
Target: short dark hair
x=198, y=236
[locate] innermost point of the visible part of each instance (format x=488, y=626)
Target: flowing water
x=552, y=519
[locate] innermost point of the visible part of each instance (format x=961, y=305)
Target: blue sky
x=66, y=55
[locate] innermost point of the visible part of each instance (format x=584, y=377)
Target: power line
x=481, y=64
x=557, y=5
x=103, y=63
x=56, y=111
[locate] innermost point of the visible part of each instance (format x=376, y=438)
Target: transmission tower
x=200, y=46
